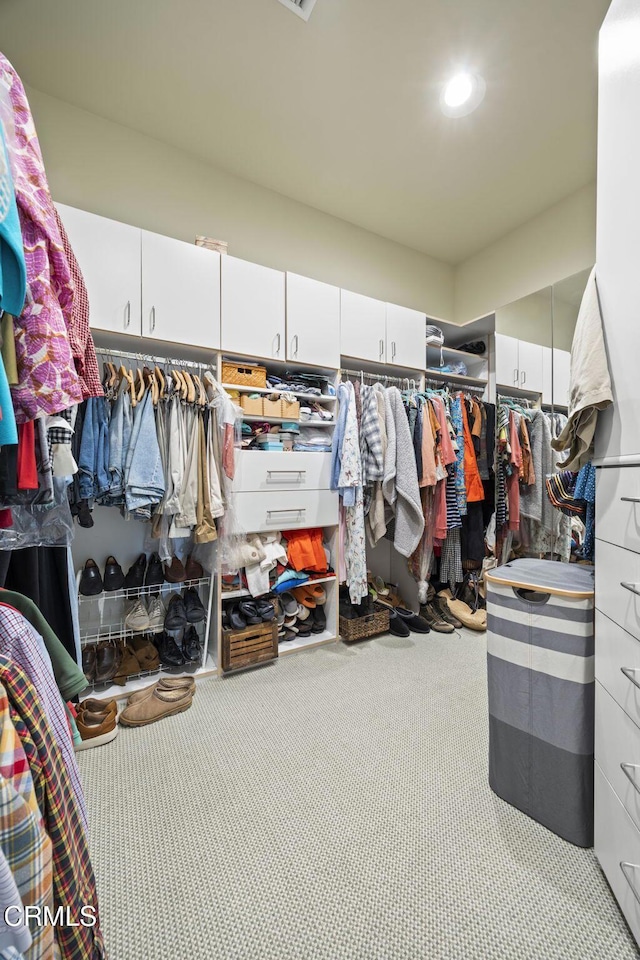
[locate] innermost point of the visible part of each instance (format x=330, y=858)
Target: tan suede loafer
x=186, y=684
x=161, y=704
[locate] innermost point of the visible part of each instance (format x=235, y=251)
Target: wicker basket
x=362, y=627
x=244, y=376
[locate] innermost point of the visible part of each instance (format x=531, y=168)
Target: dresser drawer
x=284, y=510
x=616, y=566
x=616, y=651
x=270, y=470
x=618, y=506
x=617, y=842
x=618, y=751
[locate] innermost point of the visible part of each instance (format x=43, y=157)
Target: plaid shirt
x=370, y=437
x=74, y=883
x=21, y=644
x=28, y=851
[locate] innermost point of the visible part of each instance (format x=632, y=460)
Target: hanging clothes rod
x=379, y=377
x=126, y=355
x=452, y=385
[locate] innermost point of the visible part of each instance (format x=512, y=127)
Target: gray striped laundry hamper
x=540, y=660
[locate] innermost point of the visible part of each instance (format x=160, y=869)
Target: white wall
x=112, y=170
x=555, y=244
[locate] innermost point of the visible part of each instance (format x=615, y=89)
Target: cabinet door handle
x=127, y=314
x=627, y=870
x=381, y=349
x=630, y=499
x=277, y=344
x=631, y=587
x=393, y=349
x=627, y=769
x=630, y=673
x=294, y=350
x=523, y=378
x=516, y=375
x=153, y=319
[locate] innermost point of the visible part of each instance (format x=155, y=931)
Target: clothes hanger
x=127, y=375
x=191, y=389
x=159, y=375
x=141, y=386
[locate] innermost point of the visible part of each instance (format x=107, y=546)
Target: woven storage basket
x=244, y=376
x=362, y=627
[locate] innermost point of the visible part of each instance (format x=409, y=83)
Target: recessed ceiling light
x=462, y=94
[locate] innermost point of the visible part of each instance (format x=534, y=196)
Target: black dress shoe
x=113, y=575
x=135, y=574
x=155, y=574
x=91, y=581
x=413, y=621
x=176, y=617
x=194, y=607
x=191, y=646
x=397, y=626
x=169, y=651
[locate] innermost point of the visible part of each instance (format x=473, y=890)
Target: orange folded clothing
x=305, y=550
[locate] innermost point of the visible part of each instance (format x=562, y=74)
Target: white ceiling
x=342, y=112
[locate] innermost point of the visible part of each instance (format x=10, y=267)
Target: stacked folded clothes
x=313, y=440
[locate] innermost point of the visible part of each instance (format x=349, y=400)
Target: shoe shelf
x=313, y=398
x=243, y=592
x=112, y=691
x=306, y=643
x=264, y=418
x=134, y=593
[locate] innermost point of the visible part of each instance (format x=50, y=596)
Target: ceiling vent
x=302, y=7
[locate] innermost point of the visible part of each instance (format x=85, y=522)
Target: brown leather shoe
x=108, y=657
x=129, y=664
x=161, y=704
x=193, y=569
x=89, y=662
x=103, y=707
x=175, y=572
x=146, y=654
x=187, y=684
x=95, y=729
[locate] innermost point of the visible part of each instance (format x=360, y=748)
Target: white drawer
x=616, y=566
x=270, y=470
x=284, y=510
x=617, y=650
x=618, y=751
x=617, y=842
x=618, y=506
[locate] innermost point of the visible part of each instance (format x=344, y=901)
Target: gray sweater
x=400, y=483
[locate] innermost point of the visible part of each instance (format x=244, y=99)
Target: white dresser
x=617, y=628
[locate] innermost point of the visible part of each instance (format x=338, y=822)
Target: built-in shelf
x=305, y=643
x=464, y=354
x=312, y=397
x=134, y=684
x=456, y=378
x=243, y=592
x=264, y=418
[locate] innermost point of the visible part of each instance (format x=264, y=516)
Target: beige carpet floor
x=335, y=806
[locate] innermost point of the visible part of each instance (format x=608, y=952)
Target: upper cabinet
x=381, y=332
x=507, y=360
x=180, y=291
x=108, y=253
x=519, y=364
x=405, y=338
x=252, y=309
x=313, y=322
x=363, y=327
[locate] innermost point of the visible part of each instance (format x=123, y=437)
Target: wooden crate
x=249, y=647
x=272, y=408
x=252, y=406
x=290, y=410
x=244, y=375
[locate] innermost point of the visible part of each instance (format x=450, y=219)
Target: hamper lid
x=550, y=576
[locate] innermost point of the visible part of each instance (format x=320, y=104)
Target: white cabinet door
x=507, y=363
x=252, y=309
x=561, y=376
x=363, y=327
x=180, y=291
x=406, y=338
x=108, y=253
x=547, y=375
x=313, y=322
x=531, y=366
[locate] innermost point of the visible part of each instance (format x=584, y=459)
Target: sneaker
x=137, y=618
x=96, y=729
x=90, y=581
x=433, y=617
x=154, y=575
x=113, y=575
x=441, y=607
x=157, y=614
x=194, y=607
x=176, y=616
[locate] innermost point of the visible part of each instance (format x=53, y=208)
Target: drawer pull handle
x=627, y=869
x=630, y=499
x=627, y=769
x=631, y=587
x=298, y=510
x=629, y=673
x=299, y=474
